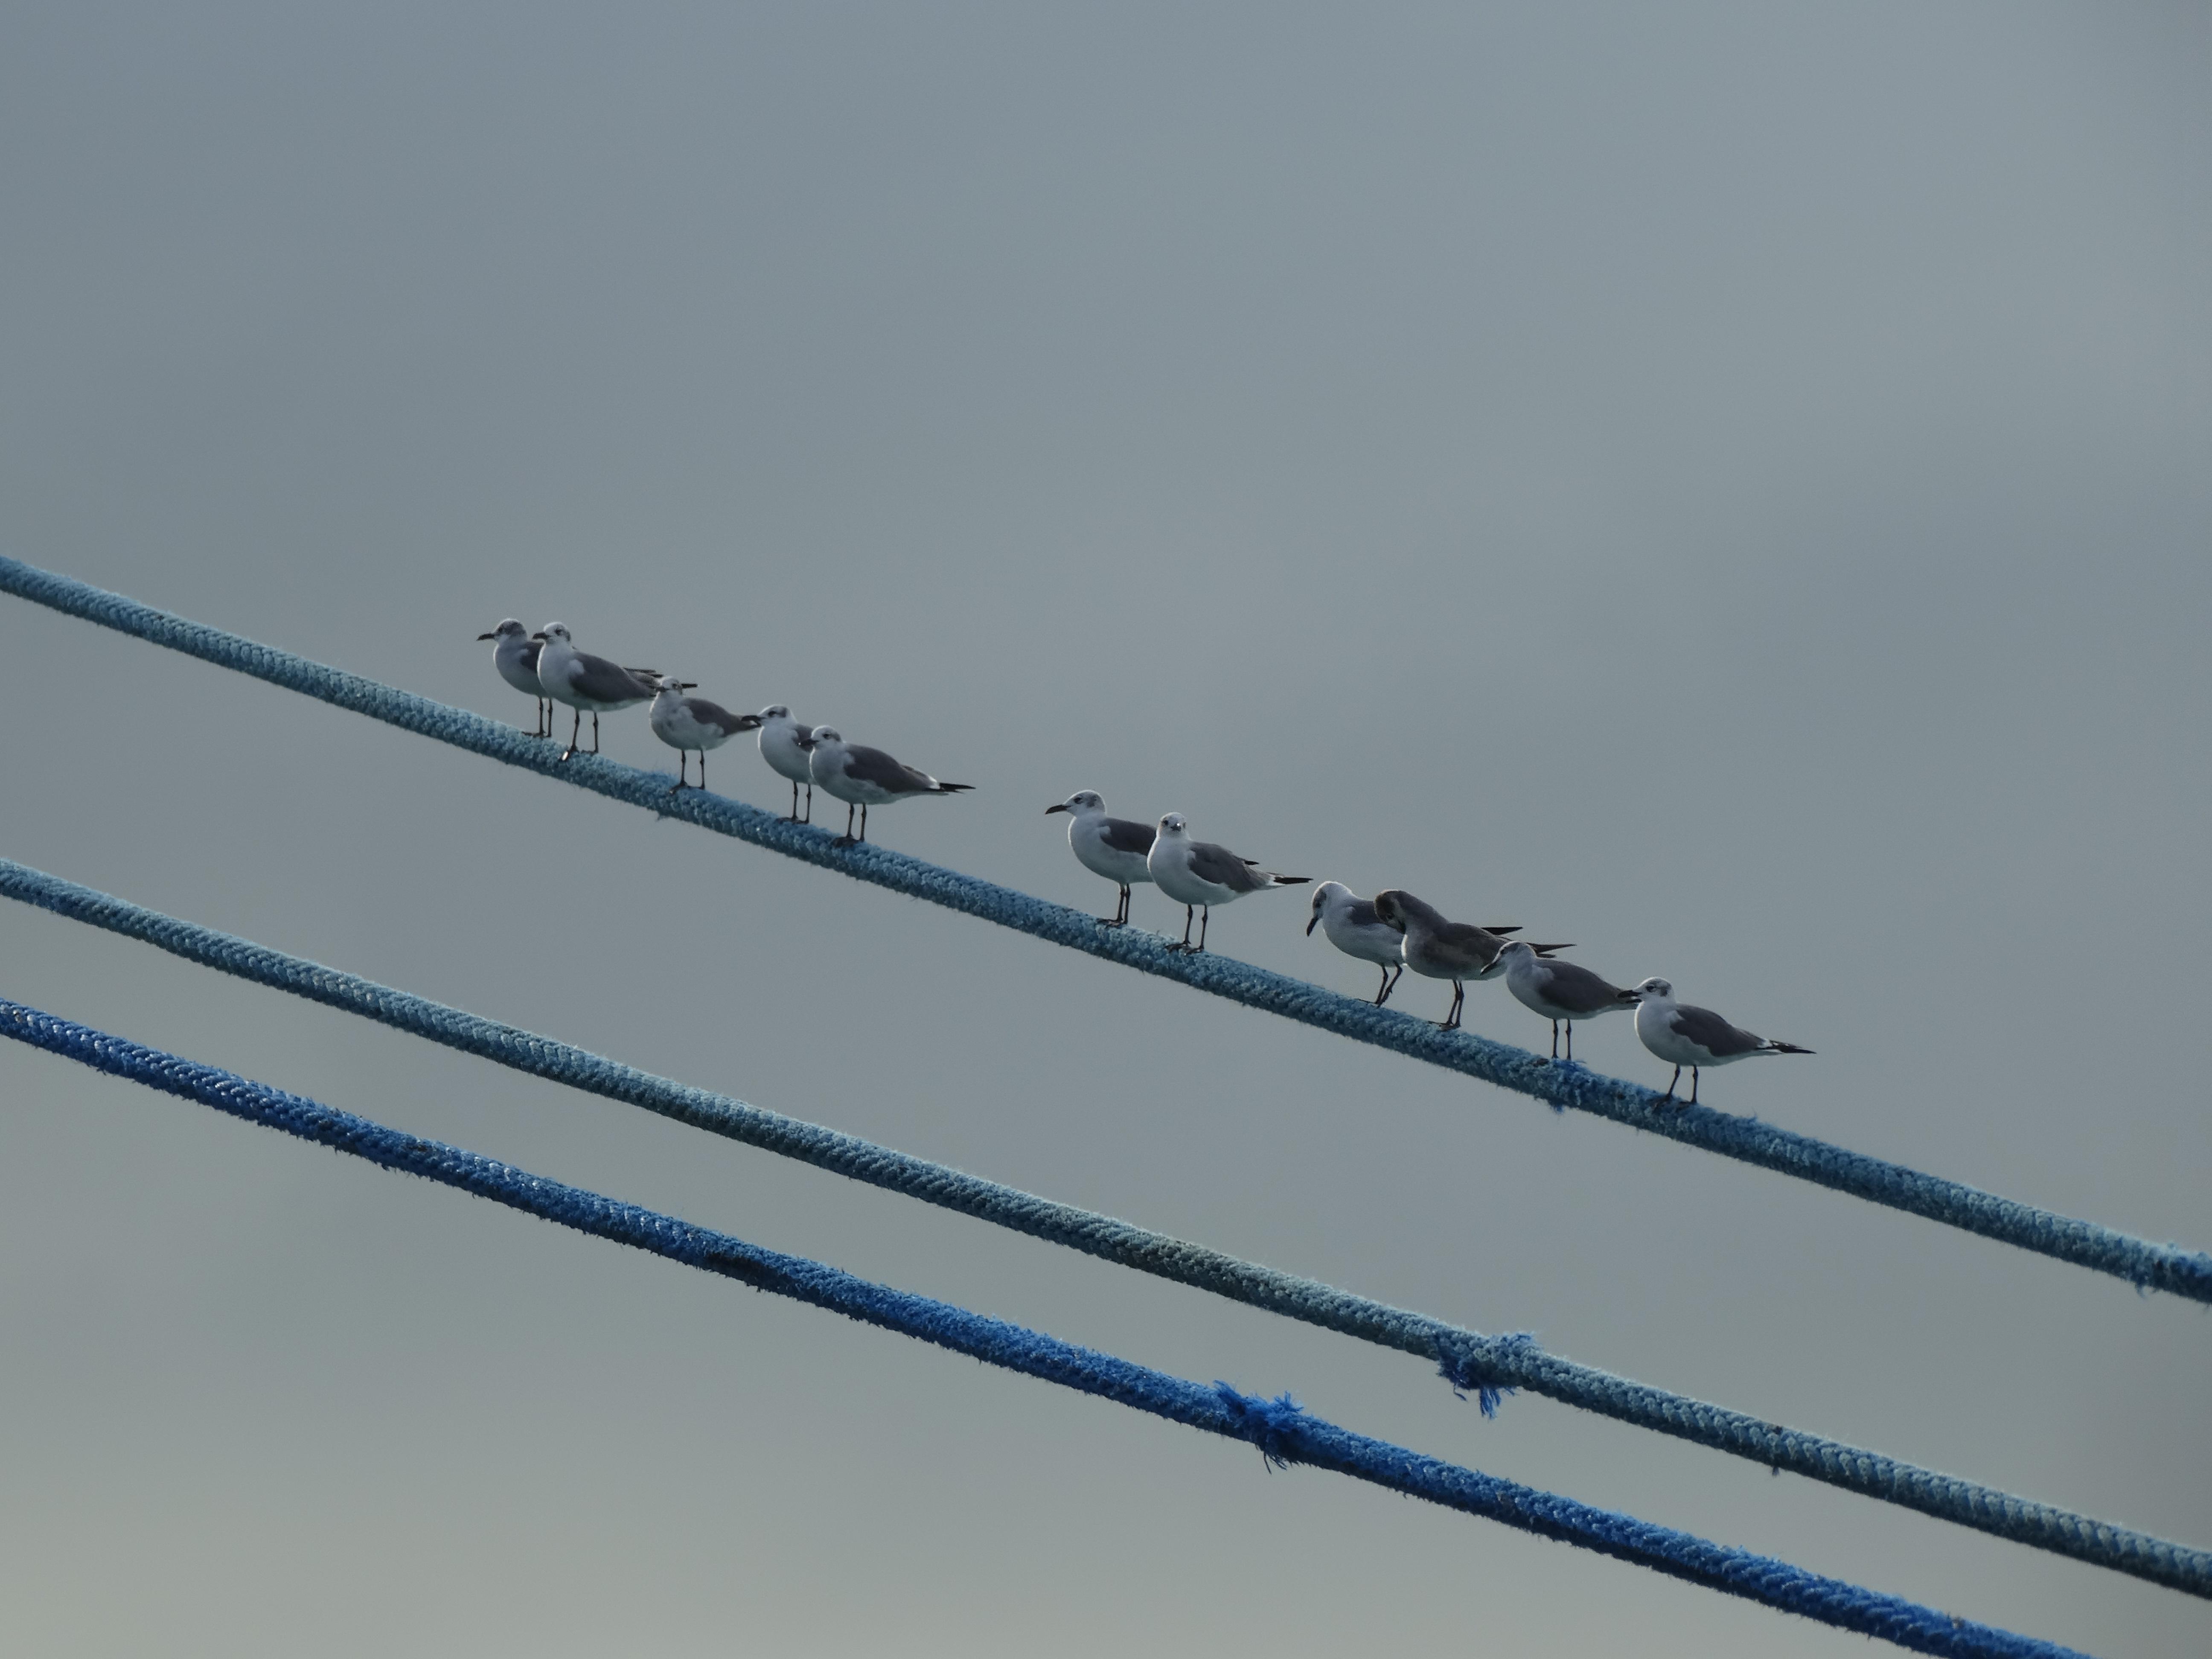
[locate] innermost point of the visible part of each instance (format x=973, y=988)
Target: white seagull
x=1353, y=928
x=1199, y=874
x=688, y=723
x=515, y=656
x=1112, y=848
x=1696, y=1037
x=585, y=682
x=785, y=745
x=863, y=777
x=1561, y=992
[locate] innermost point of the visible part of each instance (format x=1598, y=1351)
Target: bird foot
x=846, y=841
x=1109, y=921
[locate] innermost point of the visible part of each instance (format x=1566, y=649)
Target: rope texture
x=1486, y=1365
x=2146, y=1265
x=1283, y=1432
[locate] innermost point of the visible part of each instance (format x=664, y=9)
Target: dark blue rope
x=1283, y=1433
x=2143, y=1264
x=1488, y=1366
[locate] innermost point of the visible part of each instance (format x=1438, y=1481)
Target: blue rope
x=2143, y=1264
x=1489, y=1366
x=1279, y=1428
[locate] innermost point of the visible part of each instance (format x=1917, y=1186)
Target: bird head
x=509, y=628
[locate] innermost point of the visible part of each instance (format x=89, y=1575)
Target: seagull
x=864, y=777
x=1456, y=951
x=1695, y=1037
x=784, y=744
x=583, y=680
x=1354, y=928
x=1560, y=991
x=1199, y=874
x=688, y=723
x=515, y=656
x=1112, y=848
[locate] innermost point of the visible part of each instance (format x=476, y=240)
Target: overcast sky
x=1728, y=486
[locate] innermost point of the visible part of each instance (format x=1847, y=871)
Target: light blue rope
x=1283, y=1433
x=1485, y=1364
x=2146, y=1265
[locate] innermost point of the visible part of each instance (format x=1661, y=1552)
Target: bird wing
x=1217, y=863
x=866, y=765
x=605, y=681
x=1125, y=836
x=1711, y=1033
x=712, y=714
x=1570, y=985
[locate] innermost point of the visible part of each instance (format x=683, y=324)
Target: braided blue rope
x=2143, y=1264
x=1279, y=1428
x=1489, y=1366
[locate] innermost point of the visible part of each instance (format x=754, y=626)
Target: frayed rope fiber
x=1283, y=1432
x=2141, y=1263
x=1489, y=1367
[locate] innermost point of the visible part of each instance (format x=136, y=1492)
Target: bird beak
x=1061, y=807
x=687, y=686
x=487, y=636
x=539, y=634
x=1312, y=921
x=749, y=722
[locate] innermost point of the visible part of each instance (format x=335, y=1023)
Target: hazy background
x=1728, y=486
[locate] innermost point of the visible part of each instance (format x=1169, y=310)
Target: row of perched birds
x=1393, y=930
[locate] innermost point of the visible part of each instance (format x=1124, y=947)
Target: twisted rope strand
x=1283, y=1433
x=1469, y=1360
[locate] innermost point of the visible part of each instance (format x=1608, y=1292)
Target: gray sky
x=1726, y=486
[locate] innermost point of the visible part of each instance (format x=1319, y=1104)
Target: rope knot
x=1465, y=1370
x=1270, y=1424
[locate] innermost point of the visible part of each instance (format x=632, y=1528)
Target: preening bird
x=515, y=657
x=688, y=723
x=1442, y=949
x=1113, y=848
x=863, y=777
x=1199, y=875
x=1353, y=928
x=1561, y=992
x=1682, y=1034
x=585, y=682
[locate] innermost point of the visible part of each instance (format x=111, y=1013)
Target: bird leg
x=703, y=771
x=1694, y=1086
x=1204, y=916
x=1397, y=974
x=683, y=763
x=595, y=730
x=810, y=804
x=1452, y=1020
x=864, y=820
x=576, y=731
x=1671, y=1082
x=1570, y=1025
x=1120, y=912
x=1385, y=990
x=1555, y=1039
x=846, y=840
x=1189, y=916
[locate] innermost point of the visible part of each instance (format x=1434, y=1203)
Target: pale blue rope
x=1283, y=1433
x=1485, y=1364
x=2144, y=1264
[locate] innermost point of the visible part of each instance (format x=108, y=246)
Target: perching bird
x=688, y=723
x=515, y=656
x=1456, y=951
x=1354, y=928
x=1112, y=848
x=863, y=777
x=1696, y=1037
x=584, y=682
x=1560, y=991
x=1198, y=874
x=786, y=744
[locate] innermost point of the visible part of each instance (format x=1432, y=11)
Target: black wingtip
x=953, y=788
x=1788, y=1049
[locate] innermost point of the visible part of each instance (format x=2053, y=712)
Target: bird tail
x=1773, y=1047
x=1545, y=950
x=950, y=788
x=1288, y=881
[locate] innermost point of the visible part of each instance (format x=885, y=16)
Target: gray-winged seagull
x=688, y=723
x=1353, y=928
x=1561, y=992
x=1199, y=875
x=863, y=777
x=1442, y=948
x=585, y=682
x=515, y=656
x=1696, y=1037
x=1113, y=848
x=785, y=745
